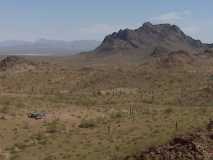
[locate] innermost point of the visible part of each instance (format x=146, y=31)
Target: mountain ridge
x=148, y=37
x=46, y=47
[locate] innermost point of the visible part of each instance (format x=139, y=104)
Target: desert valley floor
x=104, y=110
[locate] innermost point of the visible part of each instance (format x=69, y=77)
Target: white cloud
x=171, y=17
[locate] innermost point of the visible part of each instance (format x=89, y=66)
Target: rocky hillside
x=175, y=58
x=196, y=146
x=149, y=37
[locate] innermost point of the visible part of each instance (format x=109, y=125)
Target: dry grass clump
x=87, y=123
x=4, y=109
x=55, y=126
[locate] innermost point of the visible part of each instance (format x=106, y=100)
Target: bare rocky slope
x=149, y=38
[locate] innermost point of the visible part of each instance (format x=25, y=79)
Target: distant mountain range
x=150, y=38
x=46, y=47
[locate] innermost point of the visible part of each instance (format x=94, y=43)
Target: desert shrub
x=50, y=157
x=168, y=111
x=146, y=111
x=202, y=110
x=116, y=114
x=20, y=105
x=20, y=146
x=102, y=120
x=40, y=138
x=17, y=148
x=55, y=126
x=4, y=109
x=26, y=125
x=87, y=123
x=14, y=157
x=86, y=101
x=5, y=102
x=98, y=93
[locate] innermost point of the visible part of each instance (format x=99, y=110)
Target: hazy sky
x=93, y=19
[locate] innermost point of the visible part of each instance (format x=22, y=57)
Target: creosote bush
x=4, y=109
x=87, y=123
x=168, y=111
x=55, y=126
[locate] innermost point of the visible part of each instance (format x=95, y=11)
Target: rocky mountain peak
x=149, y=36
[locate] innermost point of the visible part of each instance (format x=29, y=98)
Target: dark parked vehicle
x=37, y=115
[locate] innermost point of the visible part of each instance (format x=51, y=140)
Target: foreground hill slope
x=107, y=111
x=195, y=146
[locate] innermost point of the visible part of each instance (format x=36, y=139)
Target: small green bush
x=87, y=123
x=116, y=115
x=4, y=109
x=168, y=111
x=55, y=126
